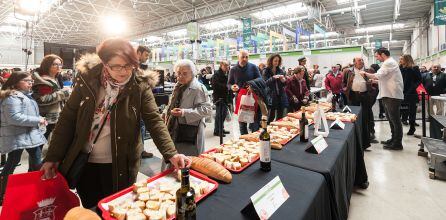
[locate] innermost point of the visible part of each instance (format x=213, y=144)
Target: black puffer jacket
x=219, y=84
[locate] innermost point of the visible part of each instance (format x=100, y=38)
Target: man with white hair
x=239, y=75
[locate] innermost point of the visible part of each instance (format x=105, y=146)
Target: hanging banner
x=300, y=31
x=439, y=12
x=239, y=43
x=272, y=36
x=247, y=31
x=193, y=31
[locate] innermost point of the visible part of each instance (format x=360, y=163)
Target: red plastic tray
x=106, y=215
x=232, y=170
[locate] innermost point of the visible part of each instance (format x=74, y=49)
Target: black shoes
x=216, y=134
x=393, y=147
x=226, y=132
x=146, y=154
x=411, y=131
x=405, y=123
x=364, y=185
x=387, y=142
x=416, y=124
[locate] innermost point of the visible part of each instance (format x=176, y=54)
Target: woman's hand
x=177, y=112
x=49, y=169
x=180, y=161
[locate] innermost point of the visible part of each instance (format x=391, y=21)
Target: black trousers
x=95, y=183
x=411, y=113
x=392, y=108
x=221, y=111
x=275, y=113
x=363, y=99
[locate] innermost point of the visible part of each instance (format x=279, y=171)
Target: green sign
x=247, y=31
x=378, y=43
x=440, y=12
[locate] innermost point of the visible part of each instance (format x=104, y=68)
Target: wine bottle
x=186, y=207
x=303, y=125
x=265, y=147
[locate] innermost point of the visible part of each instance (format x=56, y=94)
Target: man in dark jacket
x=143, y=54
x=303, y=62
x=435, y=84
x=220, y=96
x=239, y=75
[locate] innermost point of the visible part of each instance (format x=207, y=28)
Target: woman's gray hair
x=185, y=63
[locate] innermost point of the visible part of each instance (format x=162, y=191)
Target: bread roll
x=79, y=213
x=277, y=146
x=211, y=168
x=136, y=216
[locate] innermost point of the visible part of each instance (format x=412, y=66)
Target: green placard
x=440, y=12
x=378, y=43
x=247, y=31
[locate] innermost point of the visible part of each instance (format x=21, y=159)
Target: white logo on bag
x=46, y=210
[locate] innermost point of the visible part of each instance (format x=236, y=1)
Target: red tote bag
x=28, y=197
x=421, y=89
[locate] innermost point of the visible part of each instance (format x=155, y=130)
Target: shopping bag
x=247, y=109
x=29, y=197
x=420, y=90
x=240, y=93
x=329, y=97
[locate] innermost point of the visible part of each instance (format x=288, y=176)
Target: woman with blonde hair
x=411, y=78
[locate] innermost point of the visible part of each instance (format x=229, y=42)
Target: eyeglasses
x=57, y=64
x=28, y=80
x=120, y=68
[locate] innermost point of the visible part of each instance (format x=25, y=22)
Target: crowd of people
x=97, y=123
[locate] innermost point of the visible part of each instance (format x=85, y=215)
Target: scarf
x=175, y=102
x=112, y=91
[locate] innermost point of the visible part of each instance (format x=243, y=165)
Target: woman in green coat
x=102, y=118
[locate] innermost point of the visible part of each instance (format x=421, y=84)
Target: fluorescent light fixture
x=281, y=11
x=379, y=28
x=153, y=39
x=177, y=33
x=11, y=29
x=222, y=24
x=343, y=2
x=113, y=24
x=34, y=6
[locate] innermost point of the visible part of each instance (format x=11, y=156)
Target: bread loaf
x=286, y=124
x=276, y=146
x=211, y=168
x=79, y=213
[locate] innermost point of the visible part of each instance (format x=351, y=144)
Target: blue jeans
x=220, y=116
x=14, y=157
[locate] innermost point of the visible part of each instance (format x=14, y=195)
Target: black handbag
x=77, y=167
x=187, y=133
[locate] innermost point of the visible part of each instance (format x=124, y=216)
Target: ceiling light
x=222, y=24
x=11, y=29
x=113, y=24
x=177, y=33
x=280, y=11
x=379, y=28
x=343, y=2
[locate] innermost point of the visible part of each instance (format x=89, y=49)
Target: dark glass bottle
x=265, y=147
x=186, y=207
x=303, y=126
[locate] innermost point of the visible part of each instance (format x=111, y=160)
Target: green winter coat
x=135, y=103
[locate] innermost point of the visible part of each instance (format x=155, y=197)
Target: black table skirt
x=309, y=194
x=437, y=123
x=342, y=163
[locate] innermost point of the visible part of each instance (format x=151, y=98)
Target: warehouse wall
x=11, y=54
x=426, y=42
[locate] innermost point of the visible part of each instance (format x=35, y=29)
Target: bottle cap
x=185, y=171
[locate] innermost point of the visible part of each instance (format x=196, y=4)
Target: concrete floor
x=399, y=184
